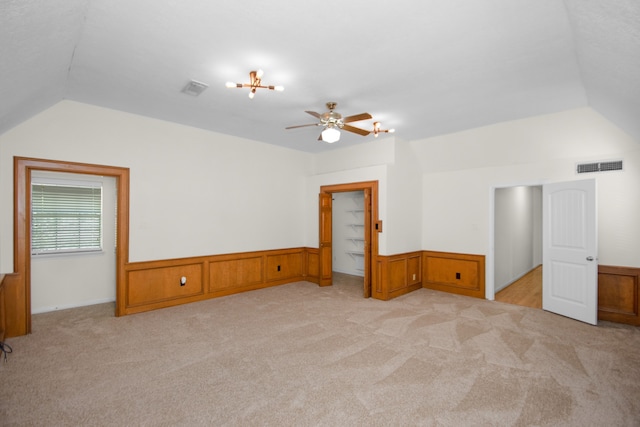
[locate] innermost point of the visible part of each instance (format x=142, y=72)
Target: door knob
x=589, y=258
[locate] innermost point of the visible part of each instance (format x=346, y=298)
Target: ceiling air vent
x=600, y=167
x=195, y=88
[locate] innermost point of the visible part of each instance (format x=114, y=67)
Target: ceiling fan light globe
x=230, y=84
x=330, y=135
x=279, y=88
x=251, y=94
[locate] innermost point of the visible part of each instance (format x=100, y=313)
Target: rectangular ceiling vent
x=600, y=167
x=195, y=88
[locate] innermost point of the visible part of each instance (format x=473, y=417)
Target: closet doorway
x=370, y=226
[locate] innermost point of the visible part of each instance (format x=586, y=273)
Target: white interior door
x=570, y=266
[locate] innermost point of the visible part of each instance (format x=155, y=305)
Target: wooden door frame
x=22, y=170
x=374, y=228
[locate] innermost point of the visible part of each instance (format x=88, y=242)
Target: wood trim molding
x=371, y=234
x=18, y=294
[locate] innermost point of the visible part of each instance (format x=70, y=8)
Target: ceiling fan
x=333, y=122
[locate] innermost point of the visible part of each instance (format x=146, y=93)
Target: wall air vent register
x=599, y=167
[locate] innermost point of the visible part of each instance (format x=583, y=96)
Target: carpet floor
x=302, y=355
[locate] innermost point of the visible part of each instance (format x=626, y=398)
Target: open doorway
x=73, y=240
x=368, y=245
x=348, y=237
x=23, y=169
x=569, y=244
x=518, y=245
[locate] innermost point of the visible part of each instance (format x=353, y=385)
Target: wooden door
x=325, y=239
x=368, y=220
x=570, y=266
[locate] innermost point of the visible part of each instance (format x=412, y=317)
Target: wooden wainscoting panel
x=618, y=294
x=15, y=306
x=397, y=275
x=157, y=285
x=3, y=322
x=414, y=269
x=313, y=265
x=284, y=266
x=461, y=274
x=235, y=273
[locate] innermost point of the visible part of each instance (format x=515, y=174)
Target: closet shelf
x=355, y=253
x=356, y=227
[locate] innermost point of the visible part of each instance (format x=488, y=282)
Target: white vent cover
x=599, y=167
x=195, y=88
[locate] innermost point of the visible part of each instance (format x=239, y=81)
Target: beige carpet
x=301, y=355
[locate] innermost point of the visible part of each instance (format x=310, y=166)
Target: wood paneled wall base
x=2, y=316
x=461, y=274
x=12, y=312
x=397, y=275
x=618, y=294
x=157, y=284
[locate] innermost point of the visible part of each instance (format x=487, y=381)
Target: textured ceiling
x=423, y=67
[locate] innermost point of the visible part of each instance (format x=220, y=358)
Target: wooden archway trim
x=371, y=234
x=18, y=291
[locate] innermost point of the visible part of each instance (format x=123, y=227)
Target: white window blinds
x=65, y=218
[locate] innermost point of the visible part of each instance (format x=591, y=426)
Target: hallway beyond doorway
x=526, y=291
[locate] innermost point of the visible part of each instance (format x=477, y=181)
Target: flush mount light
x=256, y=82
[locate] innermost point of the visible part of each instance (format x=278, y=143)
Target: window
x=65, y=216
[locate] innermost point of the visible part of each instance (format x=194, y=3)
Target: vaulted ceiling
x=425, y=68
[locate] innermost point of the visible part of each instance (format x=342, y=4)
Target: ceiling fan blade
x=302, y=126
x=314, y=114
x=356, y=130
x=357, y=118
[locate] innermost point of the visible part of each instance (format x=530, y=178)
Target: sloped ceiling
x=424, y=68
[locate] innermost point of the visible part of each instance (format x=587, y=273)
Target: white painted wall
x=368, y=162
x=193, y=192
x=457, y=201
x=404, y=202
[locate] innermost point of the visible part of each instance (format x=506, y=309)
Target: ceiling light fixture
x=331, y=135
x=256, y=82
x=377, y=130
